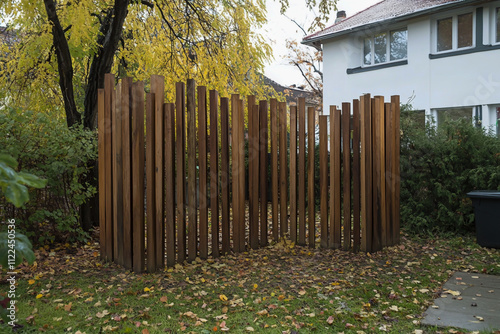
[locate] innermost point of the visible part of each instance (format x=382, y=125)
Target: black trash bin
x=487, y=215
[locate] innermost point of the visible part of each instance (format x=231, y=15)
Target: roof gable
x=380, y=12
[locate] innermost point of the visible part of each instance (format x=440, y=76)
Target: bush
x=44, y=146
x=439, y=167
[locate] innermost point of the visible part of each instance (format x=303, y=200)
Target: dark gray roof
x=381, y=12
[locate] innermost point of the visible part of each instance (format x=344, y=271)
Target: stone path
x=468, y=301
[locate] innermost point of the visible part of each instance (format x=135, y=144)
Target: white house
x=443, y=54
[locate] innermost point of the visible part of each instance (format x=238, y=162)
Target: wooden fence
x=172, y=175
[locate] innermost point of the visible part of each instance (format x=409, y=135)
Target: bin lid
x=484, y=194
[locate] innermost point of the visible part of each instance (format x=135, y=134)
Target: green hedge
x=44, y=146
x=439, y=166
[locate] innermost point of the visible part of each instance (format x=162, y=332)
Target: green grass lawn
x=279, y=289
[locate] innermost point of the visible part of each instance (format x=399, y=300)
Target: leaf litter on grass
x=280, y=288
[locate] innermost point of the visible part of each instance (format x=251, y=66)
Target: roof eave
x=317, y=41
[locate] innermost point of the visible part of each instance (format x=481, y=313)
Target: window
x=455, y=32
x=498, y=25
x=385, y=47
x=453, y=114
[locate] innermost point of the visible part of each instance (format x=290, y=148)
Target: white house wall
x=455, y=81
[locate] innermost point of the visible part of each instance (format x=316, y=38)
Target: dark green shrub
x=439, y=167
x=44, y=146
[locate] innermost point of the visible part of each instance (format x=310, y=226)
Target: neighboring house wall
x=466, y=80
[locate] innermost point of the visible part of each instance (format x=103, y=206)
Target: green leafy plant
x=439, y=166
x=44, y=145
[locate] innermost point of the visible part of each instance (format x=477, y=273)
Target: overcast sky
x=279, y=28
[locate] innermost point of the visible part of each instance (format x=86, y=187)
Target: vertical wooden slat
x=214, y=172
x=138, y=176
x=356, y=177
x=302, y=170
x=389, y=150
x=150, y=183
x=293, y=174
x=283, y=169
x=224, y=175
x=346, y=141
x=236, y=147
x=253, y=177
x=108, y=97
x=118, y=174
x=127, y=169
x=366, y=173
x=323, y=178
x=263, y=172
x=102, y=122
x=377, y=109
x=202, y=160
x=115, y=177
x=192, y=210
x=158, y=89
x=241, y=175
x=274, y=166
x=310, y=175
x=395, y=102
x=169, y=130
x=335, y=181
x=383, y=212
x=180, y=144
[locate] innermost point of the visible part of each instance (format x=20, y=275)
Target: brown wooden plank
x=395, y=102
x=366, y=174
x=377, y=109
x=169, y=130
x=127, y=169
x=180, y=147
x=323, y=179
x=202, y=160
x=150, y=183
x=311, y=210
x=263, y=172
x=118, y=175
x=241, y=175
x=356, y=177
x=101, y=150
x=383, y=206
x=235, y=145
x=389, y=150
x=192, y=210
x=346, y=141
x=253, y=177
x=108, y=100
x=293, y=174
x=302, y=170
x=224, y=176
x=283, y=169
x=274, y=167
x=214, y=172
x=335, y=180
x=117, y=197
x=138, y=176
x=158, y=89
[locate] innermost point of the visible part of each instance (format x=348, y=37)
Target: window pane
x=444, y=38
x=498, y=25
x=367, y=51
x=465, y=30
x=399, y=44
x=453, y=114
x=380, y=48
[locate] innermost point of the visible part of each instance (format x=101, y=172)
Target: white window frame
x=494, y=23
x=388, y=47
x=454, y=34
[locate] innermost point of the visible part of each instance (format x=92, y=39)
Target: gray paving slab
x=469, y=301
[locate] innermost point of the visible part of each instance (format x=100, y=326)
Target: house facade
x=443, y=56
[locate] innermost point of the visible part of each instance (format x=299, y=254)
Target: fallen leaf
x=31, y=281
x=164, y=299
x=330, y=320
x=223, y=298
x=67, y=308
x=39, y=296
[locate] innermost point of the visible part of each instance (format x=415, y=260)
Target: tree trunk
x=64, y=64
x=110, y=34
